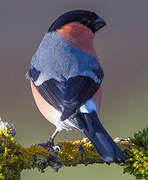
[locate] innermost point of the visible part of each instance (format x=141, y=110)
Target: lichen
x=78, y=152
x=14, y=157
x=137, y=156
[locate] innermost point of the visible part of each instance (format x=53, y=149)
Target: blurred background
x=122, y=47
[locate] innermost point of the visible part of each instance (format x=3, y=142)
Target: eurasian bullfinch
x=66, y=77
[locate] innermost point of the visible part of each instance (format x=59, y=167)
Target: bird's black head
x=85, y=17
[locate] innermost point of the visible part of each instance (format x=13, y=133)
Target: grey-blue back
x=56, y=58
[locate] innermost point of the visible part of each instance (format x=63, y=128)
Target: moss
x=78, y=152
x=137, y=156
x=14, y=157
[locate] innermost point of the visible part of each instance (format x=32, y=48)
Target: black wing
x=78, y=90
x=68, y=96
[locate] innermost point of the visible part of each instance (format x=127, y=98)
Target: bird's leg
x=52, y=137
x=50, y=142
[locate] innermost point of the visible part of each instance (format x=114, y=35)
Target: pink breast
x=44, y=107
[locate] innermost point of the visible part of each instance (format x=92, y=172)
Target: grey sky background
x=122, y=47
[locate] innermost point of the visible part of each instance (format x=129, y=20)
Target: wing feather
x=67, y=96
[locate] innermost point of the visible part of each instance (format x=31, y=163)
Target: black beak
x=98, y=24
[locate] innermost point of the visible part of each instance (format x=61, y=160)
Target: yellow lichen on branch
x=83, y=152
x=14, y=157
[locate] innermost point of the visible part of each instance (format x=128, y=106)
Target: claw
x=49, y=145
x=56, y=148
x=43, y=144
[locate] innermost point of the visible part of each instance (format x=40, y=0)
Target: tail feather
x=103, y=143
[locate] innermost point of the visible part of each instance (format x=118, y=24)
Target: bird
x=66, y=79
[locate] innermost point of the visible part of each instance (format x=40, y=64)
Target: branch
x=14, y=157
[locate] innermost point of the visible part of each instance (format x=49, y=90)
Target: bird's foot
x=49, y=145
x=56, y=148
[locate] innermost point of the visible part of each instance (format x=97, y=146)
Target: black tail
x=99, y=137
